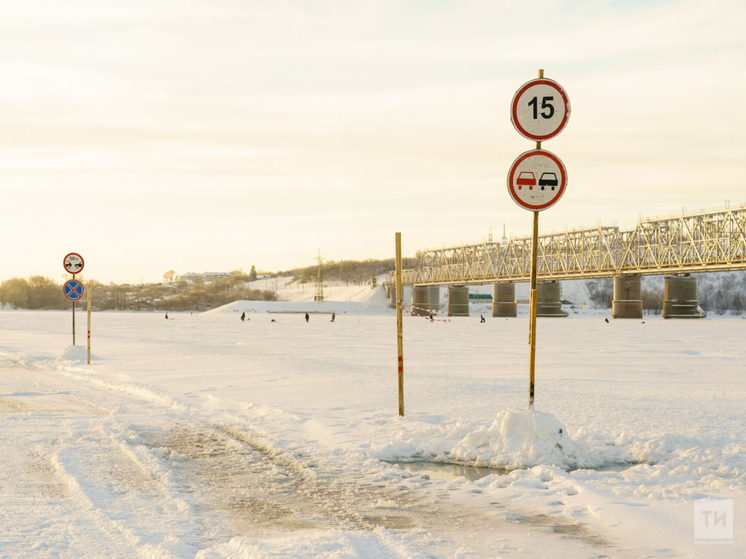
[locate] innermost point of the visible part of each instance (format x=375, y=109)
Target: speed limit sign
x=540, y=109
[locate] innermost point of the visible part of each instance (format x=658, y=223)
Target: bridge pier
x=548, y=303
x=392, y=296
x=680, y=298
x=458, y=300
x=433, y=298
x=503, y=300
x=627, y=302
x=420, y=300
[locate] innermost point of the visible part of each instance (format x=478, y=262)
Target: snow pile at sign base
x=524, y=439
x=75, y=353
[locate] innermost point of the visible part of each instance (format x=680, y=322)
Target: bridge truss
x=700, y=242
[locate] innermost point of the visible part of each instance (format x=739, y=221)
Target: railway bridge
x=675, y=246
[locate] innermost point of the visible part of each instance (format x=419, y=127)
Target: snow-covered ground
x=204, y=436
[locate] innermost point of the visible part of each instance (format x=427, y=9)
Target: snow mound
x=76, y=353
x=524, y=439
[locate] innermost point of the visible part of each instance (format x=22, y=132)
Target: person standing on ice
x=481, y=319
x=166, y=315
x=307, y=317
x=243, y=316
x=333, y=317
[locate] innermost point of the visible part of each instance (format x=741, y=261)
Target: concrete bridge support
x=627, y=301
x=458, y=300
x=433, y=300
x=392, y=296
x=420, y=300
x=548, y=304
x=680, y=297
x=503, y=300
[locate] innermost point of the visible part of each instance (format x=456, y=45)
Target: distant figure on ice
x=243, y=316
x=481, y=319
x=166, y=315
x=333, y=317
x=307, y=317
x=273, y=320
x=606, y=320
x=431, y=318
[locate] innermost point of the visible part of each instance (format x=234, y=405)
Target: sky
x=198, y=135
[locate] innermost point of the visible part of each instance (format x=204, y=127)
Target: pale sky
x=150, y=135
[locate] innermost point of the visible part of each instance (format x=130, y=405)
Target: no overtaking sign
x=537, y=180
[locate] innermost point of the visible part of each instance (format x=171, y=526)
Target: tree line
x=719, y=293
x=39, y=292
x=356, y=272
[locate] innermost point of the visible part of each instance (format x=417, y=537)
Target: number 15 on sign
x=540, y=109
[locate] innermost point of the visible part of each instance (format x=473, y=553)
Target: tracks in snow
x=125, y=474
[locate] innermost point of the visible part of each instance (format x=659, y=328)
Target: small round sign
x=73, y=290
x=540, y=109
x=537, y=180
x=73, y=263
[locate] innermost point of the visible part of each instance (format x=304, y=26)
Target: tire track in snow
x=122, y=542
x=331, y=497
x=228, y=469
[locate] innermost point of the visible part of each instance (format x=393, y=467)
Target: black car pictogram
x=548, y=179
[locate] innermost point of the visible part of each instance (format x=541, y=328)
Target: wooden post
x=534, y=300
x=399, y=324
x=534, y=304
x=89, y=325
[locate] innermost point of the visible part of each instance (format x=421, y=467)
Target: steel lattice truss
x=700, y=242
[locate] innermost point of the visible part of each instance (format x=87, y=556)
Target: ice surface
x=205, y=436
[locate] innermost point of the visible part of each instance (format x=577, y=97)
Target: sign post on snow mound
x=73, y=289
x=537, y=178
x=399, y=324
x=88, y=297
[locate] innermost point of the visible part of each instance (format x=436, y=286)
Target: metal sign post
x=89, y=324
x=399, y=324
x=73, y=289
x=537, y=179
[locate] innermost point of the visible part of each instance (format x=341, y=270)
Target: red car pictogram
x=526, y=178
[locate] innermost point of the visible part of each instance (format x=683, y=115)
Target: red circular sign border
x=81, y=259
x=514, y=109
x=525, y=155
x=82, y=292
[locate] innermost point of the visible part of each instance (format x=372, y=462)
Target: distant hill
x=355, y=272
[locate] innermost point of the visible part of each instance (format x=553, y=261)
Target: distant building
x=209, y=277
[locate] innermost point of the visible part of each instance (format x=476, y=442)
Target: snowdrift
x=524, y=439
x=76, y=353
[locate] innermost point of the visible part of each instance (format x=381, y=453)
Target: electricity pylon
x=319, y=282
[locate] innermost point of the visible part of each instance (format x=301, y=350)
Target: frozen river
x=204, y=436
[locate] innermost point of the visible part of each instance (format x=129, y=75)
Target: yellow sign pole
x=399, y=323
x=534, y=301
x=89, y=325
